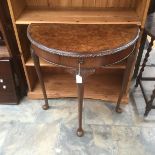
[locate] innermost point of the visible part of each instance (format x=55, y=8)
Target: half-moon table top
x=82, y=39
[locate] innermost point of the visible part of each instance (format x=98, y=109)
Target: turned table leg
x=126, y=77
x=144, y=62
x=149, y=104
x=80, y=87
x=38, y=70
x=140, y=53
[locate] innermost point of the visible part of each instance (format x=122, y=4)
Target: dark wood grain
x=75, y=39
x=6, y=27
x=106, y=54
x=8, y=94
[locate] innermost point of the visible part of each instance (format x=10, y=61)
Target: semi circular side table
x=81, y=49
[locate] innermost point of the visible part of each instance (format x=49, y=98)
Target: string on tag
x=79, y=69
x=78, y=76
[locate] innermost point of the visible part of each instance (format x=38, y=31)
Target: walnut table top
x=84, y=40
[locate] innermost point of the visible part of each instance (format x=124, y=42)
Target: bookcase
x=12, y=81
x=106, y=82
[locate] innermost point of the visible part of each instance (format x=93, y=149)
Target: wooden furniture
x=12, y=80
x=7, y=84
x=24, y=12
x=8, y=91
x=143, y=41
x=81, y=49
x=149, y=30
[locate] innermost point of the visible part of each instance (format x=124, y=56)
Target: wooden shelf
x=97, y=16
x=30, y=63
x=104, y=85
x=43, y=63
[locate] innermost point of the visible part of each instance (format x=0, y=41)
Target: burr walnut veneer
x=81, y=49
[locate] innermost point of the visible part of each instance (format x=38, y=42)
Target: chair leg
x=80, y=87
x=140, y=53
x=125, y=80
x=144, y=62
x=38, y=70
x=149, y=104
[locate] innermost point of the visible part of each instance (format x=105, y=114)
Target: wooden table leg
x=125, y=79
x=38, y=70
x=149, y=104
x=144, y=62
x=80, y=90
x=80, y=87
x=140, y=54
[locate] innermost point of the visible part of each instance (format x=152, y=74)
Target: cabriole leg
x=80, y=87
x=38, y=70
x=126, y=77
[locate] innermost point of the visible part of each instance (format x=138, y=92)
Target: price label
x=78, y=79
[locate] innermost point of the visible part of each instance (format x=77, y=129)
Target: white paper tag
x=78, y=79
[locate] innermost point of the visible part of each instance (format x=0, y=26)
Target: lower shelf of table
x=104, y=85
